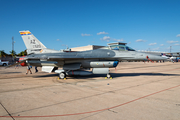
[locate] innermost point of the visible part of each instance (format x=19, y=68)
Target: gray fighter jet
x=79, y=63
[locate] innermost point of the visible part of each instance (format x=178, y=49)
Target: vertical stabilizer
x=33, y=45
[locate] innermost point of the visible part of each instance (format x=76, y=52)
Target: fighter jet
x=79, y=63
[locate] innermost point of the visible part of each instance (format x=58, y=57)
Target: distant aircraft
x=76, y=63
x=173, y=57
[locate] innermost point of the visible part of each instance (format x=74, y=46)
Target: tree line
x=12, y=53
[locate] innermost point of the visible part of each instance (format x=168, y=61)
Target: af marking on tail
x=32, y=44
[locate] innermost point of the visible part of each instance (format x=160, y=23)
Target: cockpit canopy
x=118, y=46
x=121, y=48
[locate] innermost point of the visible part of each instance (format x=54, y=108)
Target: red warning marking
x=95, y=110
x=149, y=59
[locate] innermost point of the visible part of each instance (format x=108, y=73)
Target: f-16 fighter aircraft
x=76, y=63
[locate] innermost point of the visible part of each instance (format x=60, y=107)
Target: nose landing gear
x=108, y=76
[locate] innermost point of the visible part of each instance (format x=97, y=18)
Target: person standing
x=36, y=69
x=29, y=69
x=16, y=67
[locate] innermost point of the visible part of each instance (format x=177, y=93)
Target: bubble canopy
x=120, y=47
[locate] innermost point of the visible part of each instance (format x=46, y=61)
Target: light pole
x=13, y=43
x=13, y=48
x=170, y=49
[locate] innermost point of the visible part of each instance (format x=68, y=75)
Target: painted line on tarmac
x=95, y=110
x=6, y=111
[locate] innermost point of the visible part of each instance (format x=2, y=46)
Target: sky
x=151, y=25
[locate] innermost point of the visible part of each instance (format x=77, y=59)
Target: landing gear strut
x=108, y=76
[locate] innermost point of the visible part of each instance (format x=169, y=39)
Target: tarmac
x=138, y=91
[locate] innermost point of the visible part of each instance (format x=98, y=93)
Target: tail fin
x=33, y=45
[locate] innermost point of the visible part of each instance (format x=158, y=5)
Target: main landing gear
x=62, y=75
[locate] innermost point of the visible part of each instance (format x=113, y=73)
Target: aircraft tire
x=62, y=75
x=4, y=64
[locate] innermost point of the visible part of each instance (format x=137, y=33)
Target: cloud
x=58, y=40
x=177, y=44
x=162, y=45
x=118, y=40
x=85, y=34
x=178, y=35
x=140, y=40
x=106, y=38
x=151, y=44
x=172, y=41
x=102, y=33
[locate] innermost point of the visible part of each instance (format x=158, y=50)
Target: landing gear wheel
x=62, y=75
x=4, y=64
